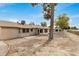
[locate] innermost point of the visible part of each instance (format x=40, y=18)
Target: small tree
x=23, y=22
x=75, y=28
x=62, y=21
x=43, y=24
x=31, y=23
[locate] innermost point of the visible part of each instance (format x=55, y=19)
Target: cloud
x=13, y=20
x=75, y=16
x=5, y=4
x=36, y=18
x=74, y=19
x=64, y=8
x=2, y=4
x=9, y=19
x=3, y=11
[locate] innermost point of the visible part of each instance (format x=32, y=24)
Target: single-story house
x=10, y=30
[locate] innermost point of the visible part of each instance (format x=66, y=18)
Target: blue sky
x=24, y=11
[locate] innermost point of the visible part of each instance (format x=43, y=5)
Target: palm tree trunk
x=51, y=24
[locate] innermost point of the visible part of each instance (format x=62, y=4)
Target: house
x=10, y=30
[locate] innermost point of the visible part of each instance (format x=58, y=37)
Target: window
x=56, y=30
x=46, y=31
x=23, y=30
x=27, y=30
x=31, y=30
x=19, y=30
x=41, y=30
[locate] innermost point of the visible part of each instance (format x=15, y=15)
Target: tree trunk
x=51, y=24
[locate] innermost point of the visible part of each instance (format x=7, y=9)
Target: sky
x=24, y=11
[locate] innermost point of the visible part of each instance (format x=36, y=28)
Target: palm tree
x=48, y=9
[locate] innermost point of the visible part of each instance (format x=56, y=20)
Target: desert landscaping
x=63, y=44
x=41, y=29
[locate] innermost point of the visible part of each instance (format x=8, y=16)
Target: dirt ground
x=63, y=44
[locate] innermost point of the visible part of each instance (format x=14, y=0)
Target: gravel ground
x=63, y=44
x=25, y=46
x=67, y=45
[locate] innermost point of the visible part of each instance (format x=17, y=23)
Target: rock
x=3, y=48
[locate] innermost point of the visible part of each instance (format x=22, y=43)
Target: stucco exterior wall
x=11, y=33
x=26, y=33
x=11, y=30
x=8, y=33
x=44, y=33
x=0, y=32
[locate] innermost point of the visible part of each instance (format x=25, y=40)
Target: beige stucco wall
x=45, y=33
x=0, y=32
x=10, y=33
x=27, y=33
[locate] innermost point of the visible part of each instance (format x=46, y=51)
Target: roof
x=18, y=25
